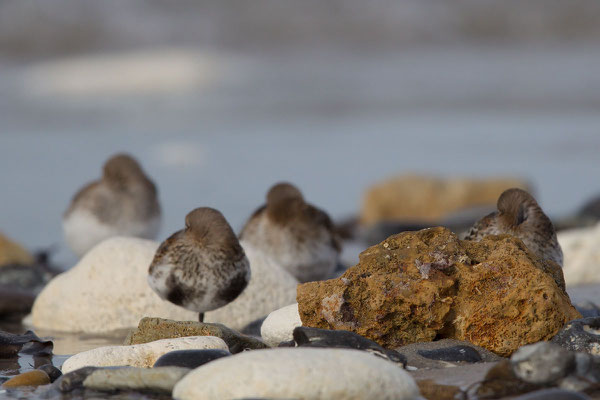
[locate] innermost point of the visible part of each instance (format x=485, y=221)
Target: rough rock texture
x=581, y=251
x=423, y=198
x=107, y=290
x=271, y=287
x=151, y=329
x=154, y=379
x=416, y=286
x=279, y=325
x=298, y=373
x=580, y=335
x=139, y=355
x=13, y=253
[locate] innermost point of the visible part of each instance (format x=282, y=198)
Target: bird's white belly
x=83, y=230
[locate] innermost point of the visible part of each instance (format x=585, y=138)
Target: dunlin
x=202, y=267
x=521, y=216
x=297, y=235
x=123, y=202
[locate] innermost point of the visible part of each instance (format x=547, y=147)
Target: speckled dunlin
x=298, y=236
x=202, y=267
x=520, y=215
x=123, y=202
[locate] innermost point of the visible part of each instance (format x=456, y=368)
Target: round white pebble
x=279, y=325
x=298, y=373
x=139, y=355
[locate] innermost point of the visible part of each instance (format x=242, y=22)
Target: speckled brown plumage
x=123, y=201
x=297, y=235
x=123, y=191
x=202, y=267
x=520, y=215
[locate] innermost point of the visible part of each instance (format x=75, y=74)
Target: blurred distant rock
x=425, y=199
x=591, y=209
x=13, y=253
x=581, y=249
x=65, y=26
x=22, y=277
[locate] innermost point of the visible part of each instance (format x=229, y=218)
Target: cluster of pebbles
x=298, y=351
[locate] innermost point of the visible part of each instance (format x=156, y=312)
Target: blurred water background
x=218, y=100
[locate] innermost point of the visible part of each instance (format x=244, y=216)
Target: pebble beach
x=405, y=145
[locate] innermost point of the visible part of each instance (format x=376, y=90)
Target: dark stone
x=190, y=358
x=553, y=394
x=28, y=343
x=588, y=309
x=22, y=277
x=452, y=354
x=591, y=209
x=73, y=380
x=253, y=328
x=543, y=363
x=20, y=284
x=439, y=353
x=289, y=343
x=15, y=302
x=53, y=372
x=500, y=381
x=314, y=337
x=580, y=335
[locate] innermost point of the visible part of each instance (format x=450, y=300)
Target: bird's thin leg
x=201, y=317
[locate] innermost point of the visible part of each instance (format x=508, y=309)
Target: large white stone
x=108, y=290
x=270, y=288
x=139, y=355
x=156, y=379
x=581, y=250
x=279, y=325
x=298, y=373
x=105, y=291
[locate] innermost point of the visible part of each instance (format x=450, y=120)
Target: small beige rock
x=139, y=355
x=29, y=378
x=279, y=325
x=428, y=198
x=13, y=253
x=158, y=379
x=581, y=250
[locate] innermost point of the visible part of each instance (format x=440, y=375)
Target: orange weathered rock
x=417, y=286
